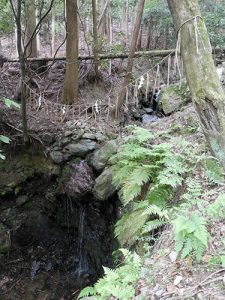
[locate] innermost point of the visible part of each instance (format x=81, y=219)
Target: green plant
x=191, y=235
x=117, y=283
x=147, y=176
x=216, y=210
x=189, y=221
x=213, y=170
x=4, y=139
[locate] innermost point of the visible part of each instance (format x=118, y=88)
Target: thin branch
x=13, y=10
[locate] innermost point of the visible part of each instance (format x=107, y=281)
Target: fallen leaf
x=173, y=256
x=171, y=288
x=177, y=280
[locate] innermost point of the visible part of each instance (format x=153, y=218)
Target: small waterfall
x=82, y=265
x=82, y=257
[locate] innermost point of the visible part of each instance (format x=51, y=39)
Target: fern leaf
x=87, y=291
x=130, y=190
x=128, y=228
x=153, y=225
x=139, y=134
x=213, y=170
x=187, y=247
x=160, y=195
x=217, y=208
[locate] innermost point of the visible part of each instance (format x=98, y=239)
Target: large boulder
x=101, y=156
x=78, y=181
x=80, y=149
x=174, y=97
x=4, y=239
x=104, y=188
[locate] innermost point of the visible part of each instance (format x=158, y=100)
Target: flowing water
x=82, y=256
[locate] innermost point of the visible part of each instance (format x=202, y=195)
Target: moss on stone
x=16, y=170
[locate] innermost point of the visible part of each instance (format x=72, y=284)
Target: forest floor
x=164, y=276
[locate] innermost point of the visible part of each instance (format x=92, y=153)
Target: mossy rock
x=18, y=169
x=104, y=187
x=101, y=156
x=174, y=97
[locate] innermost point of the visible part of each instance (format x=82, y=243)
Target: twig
x=11, y=287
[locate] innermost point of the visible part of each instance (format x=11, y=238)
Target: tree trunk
x=149, y=35
x=70, y=94
x=30, y=10
x=127, y=20
x=95, y=39
x=23, y=72
x=53, y=27
x=128, y=76
x=139, y=41
x=103, y=14
x=206, y=90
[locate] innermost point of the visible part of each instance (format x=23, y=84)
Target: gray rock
x=4, y=239
x=104, y=187
x=21, y=200
x=102, y=155
x=68, y=133
x=148, y=110
x=89, y=136
x=100, y=137
x=79, y=181
x=77, y=134
x=65, y=140
x=80, y=149
x=147, y=119
x=174, y=97
x=57, y=157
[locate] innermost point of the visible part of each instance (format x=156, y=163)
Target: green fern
x=118, y=283
x=138, y=135
x=129, y=227
x=87, y=291
x=153, y=225
x=147, y=173
x=213, y=170
x=191, y=235
x=194, y=191
x=160, y=194
x=217, y=208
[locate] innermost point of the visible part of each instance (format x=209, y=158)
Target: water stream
x=82, y=255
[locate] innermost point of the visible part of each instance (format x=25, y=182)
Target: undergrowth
x=117, y=283
x=149, y=177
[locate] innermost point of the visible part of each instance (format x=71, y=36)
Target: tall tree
x=23, y=53
x=30, y=16
x=206, y=90
x=95, y=38
x=128, y=76
x=70, y=94
x=17, y=12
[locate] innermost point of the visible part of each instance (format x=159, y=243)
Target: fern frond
x=129, y=227
x=139, y=134
x=87, y=291
x=213, y=170
x=153, y=225
x=156, y=210
x=130, y=191
x=160, y=194
x=217, y=208
x=191, y=235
